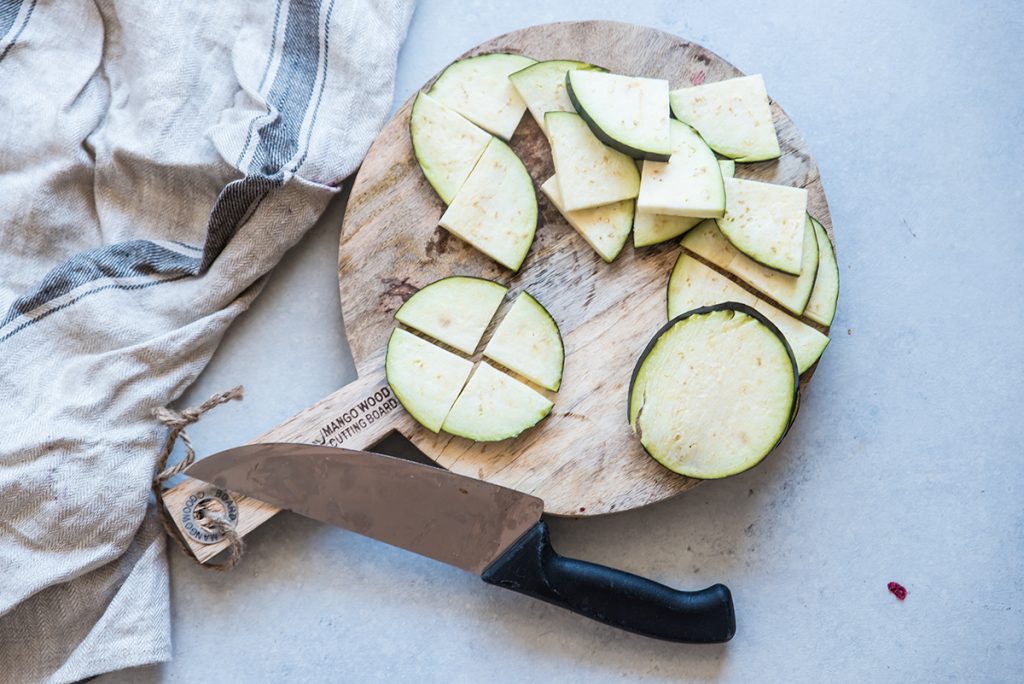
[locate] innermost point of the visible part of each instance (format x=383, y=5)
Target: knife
x=484, y=528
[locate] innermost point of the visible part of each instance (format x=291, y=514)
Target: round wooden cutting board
x=583, y=459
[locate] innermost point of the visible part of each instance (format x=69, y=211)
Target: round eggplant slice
x=446, y=391
x=714, y=392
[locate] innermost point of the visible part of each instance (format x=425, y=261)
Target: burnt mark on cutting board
x=438, y=245
x=398, y=287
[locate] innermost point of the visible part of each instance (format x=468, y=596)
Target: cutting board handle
x=357, y=416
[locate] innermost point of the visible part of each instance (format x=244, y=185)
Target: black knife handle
x=616, y=598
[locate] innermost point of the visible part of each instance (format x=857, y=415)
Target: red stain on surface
x=898, y=590
x=698, y=78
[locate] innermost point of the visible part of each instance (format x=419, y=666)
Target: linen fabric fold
x=156, y=161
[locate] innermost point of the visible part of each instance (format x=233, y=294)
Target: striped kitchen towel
x=156, y=161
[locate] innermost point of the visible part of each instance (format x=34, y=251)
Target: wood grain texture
x=583, y=459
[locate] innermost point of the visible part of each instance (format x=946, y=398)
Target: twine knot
x=207, y=515
x=179, y=420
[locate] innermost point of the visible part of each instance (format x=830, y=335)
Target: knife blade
x=481, y=527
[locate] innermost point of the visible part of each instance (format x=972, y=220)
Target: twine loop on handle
x=208, y=514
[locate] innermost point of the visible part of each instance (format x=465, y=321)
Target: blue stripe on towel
x=279, y=138
x=8, y=13
x=323, y=83
x=122, y=260
x=296, y=76
x=109, y=286
x=292, y=94
x=263, y=82
x=13, y=8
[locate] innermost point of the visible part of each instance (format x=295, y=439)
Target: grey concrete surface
x=905, y=463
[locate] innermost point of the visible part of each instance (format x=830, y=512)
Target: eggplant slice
x=714, y=392
x=455, y=310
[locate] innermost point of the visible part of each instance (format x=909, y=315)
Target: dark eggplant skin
x=604, y=137
x=724, y=306
x=831, y=248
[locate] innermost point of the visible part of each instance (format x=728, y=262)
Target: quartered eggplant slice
x=590, y=174
x=628, y=113
x=693, y=284
x=455, y=310
x=426, y=378
x=792, y=292
x=478, y=88
x=496, y=209
x=446, y=145
x=605, y=228
x=527, y=342
x=495, y=406
x=733, y=116
x=443, y=390
x=688, y=184
x=766, y=222
x=542, y=86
